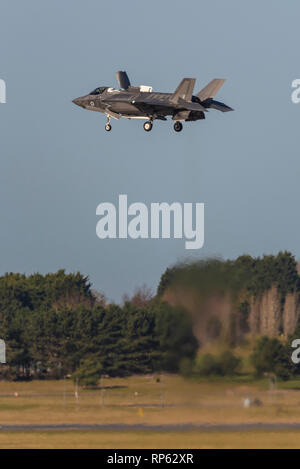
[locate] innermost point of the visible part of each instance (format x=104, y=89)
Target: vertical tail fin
x=210, y=90
x=184, y=90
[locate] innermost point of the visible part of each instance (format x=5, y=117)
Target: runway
x=240, y=427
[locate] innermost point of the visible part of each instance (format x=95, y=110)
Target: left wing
x=163, y=102
x=191, y=106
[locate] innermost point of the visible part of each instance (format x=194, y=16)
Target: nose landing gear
x=108, y=125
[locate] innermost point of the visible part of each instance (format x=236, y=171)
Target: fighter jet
x=141, y=102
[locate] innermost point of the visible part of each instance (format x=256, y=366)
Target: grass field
x=128, y=440
x=142, y=400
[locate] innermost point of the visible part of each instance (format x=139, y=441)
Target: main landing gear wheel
x=108, y=127
x=178, y=126
x=148, y=126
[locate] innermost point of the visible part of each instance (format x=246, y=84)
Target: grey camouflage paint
x=134, y=102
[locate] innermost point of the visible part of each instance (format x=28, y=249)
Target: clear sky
x=57, y=163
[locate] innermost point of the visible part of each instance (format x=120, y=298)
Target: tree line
x=253, y=274
x=55, y=325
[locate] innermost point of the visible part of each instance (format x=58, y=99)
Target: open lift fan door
x=123, y=80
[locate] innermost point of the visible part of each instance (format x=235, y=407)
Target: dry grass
x=174, y=400
x=119, y=440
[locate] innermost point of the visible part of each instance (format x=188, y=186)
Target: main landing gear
x=148, y=126
x=178, y=126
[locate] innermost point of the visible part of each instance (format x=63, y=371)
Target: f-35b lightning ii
x=140, y=102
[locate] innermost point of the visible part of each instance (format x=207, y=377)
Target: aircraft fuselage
x=140, y=102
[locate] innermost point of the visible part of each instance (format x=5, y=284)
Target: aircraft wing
x=191, y=106
x=157, y=101
x=151, y=100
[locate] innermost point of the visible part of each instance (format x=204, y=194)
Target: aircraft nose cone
x=78, y=102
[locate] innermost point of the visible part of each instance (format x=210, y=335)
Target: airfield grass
x=128, y=440
x=150, y=401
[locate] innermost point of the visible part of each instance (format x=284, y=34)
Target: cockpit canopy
x=99, y=90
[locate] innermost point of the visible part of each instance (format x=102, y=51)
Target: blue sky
x=57, y=163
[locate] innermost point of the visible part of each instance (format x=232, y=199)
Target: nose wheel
x=108, y=125
x=178, y=126
x=148, y=126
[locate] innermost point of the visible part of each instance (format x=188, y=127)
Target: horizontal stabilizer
x=210, y=90
x=220, y=106
x=184, y=90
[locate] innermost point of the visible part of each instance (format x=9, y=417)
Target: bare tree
x=142, y=296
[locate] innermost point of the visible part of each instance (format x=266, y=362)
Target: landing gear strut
x=107, y=125
x=178, y=126
x=148, y=126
